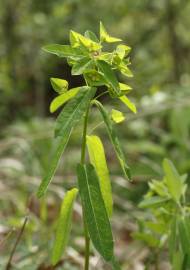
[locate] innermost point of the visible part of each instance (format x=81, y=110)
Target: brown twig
x=8, y=266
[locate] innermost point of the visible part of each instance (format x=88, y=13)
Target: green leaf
x=83, y=65
x=98, y=159
x=59, y=145
x=96, y=216
x=70, y=115
x=109, y=76
x=125, y=88
x=105, y=37
x=125, y=70
x=154, y=201
x=60, y=100
x=114, y=139
x=117, y=116
x=63, y=226
x=59, y=85
x=128, y=103
x=122, y=50
x=184, y=235
x=173, y=180
x=74, y=110
x=172, y=239
x=89, y=34
x=62, y=50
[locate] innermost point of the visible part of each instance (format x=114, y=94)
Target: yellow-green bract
x=64, y=225
x=98, y=159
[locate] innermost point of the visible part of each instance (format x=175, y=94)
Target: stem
x=86, y=235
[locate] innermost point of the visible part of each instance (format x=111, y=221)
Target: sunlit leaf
x=98, y=159
x=63, y=226
x=128, y=103
x=105, y=37
x=59, y=85
x=63, y=98
x=114, y=139
x=122, y=50
x=89, y=34
x=62, y=50
x=95, y=212
x=117, y=116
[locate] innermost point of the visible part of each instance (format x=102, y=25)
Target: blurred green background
x=158, y=32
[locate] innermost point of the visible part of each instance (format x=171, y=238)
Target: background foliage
x=158, y=32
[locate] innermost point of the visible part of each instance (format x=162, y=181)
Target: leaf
x=172, y=239
x=59, y=85
x=154, y=201
x=173, y=180
x=89, y=34
x=184, y=235
x=114, y=139
x=122, y=50
x=98, y=159
x=74, y=110
x=125, y=70
x=117, y=116
x=109, y=76
x=94, y=210
x=125, y=88
x=83, y=65
x=62, y=50
x=68, y=118
x=128, y=103
x=60, y=100
x=105, y=37
x=63, y=226
x=59, y=145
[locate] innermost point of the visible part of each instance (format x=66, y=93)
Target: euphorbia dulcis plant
x=87, y=57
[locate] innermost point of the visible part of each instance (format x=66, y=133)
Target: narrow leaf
x=128, y=103
x=109, y=76
x=173, y=180
x=98, y=159
x=114, y=139
x=64, y=225
x=83, y=65
x=74, y=110
x=105, y=37
x=94, y=210
x=62, y=50
x=89, y=34
x=184, y=235
x=60, y=100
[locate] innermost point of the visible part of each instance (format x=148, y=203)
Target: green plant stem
x=83, y=150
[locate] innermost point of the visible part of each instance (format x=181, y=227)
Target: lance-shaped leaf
x=98, y=159
x=83, y=65
x=68, y=118
x=59, y=85
x=74, y=110
x=173, y=180
x=62, y=50
x=64, y=225
x=59, y=145
x=96, y=216
x=128, y=103
x=60, y=100
x=89, y=34
x=114, y=139
x=105, y=37
x=117, y=116
x=109, y=76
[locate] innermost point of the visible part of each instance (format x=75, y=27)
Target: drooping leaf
x=62, y=50
x=128, y=103
x=109, y=76
x=114, y=139
x=173, y=180
x=68, y=118
x=117, y=116
x=83, y=65
x=94, y=210
x=105, y=37
x=63, y=226
x=63, y=98
x=59, y=85
x=56, y=152
x=74, y=110
x=98, y=159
